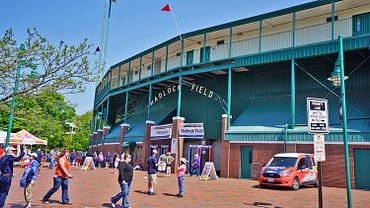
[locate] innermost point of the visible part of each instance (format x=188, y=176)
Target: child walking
x=181, y=176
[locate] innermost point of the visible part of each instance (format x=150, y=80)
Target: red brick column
x=145, y=153
x=123, y=131
x=225, y=149
x=91, y=137
x=95, y=135
x=105, y=133
x=176, y=121
x=100, y=135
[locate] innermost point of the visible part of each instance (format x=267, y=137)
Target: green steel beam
x=204, y=47
x=182, y=52
x=152, y=72
x=231, y=41
x=332, y=19
x=293, y=29
x=107, y=110
x=129, y=73
x=260, y=38
x=179, y=92
x=149, y=99
x=119, y=76
x=229, y=84
x=166, y=62
x=293, y=92
x=126, y=106
x=344, y=116
x=141, y=60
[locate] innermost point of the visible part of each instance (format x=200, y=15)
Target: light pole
x=20, y=64
x=338, y=78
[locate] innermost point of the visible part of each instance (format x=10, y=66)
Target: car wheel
x=295, y=185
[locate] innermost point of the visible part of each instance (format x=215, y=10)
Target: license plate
x=270, y=180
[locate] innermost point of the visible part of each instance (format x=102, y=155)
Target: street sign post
x=317, y=115
x=319, y=147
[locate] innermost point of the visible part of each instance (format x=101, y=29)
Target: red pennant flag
x=166, y=8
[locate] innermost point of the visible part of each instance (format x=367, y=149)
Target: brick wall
x=333, y=169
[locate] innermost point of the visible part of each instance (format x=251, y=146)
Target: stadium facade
x=236, y=93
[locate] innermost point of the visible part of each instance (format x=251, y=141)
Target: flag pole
x=177, y=25
x=167, y=8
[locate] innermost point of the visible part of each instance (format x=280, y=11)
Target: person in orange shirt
x=61, y=176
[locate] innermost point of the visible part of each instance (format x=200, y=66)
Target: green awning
x=137, y=122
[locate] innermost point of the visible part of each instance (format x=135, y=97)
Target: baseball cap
x=183, y=160
x=34, y=155
x=10, y=148
x=155, y=151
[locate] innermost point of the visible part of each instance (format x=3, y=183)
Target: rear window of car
x=283, y=162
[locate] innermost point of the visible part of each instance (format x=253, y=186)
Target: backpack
x=26, y=177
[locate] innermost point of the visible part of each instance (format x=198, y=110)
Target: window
x=329, y=19
x=220, y=42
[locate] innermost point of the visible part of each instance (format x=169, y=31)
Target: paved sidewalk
x=94, y=189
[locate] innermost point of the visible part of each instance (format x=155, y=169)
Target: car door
x=302, y=170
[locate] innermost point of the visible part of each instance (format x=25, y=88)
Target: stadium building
x=236, y=93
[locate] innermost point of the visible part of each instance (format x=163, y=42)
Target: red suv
x=289, y=170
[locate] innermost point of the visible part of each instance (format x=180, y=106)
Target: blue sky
x=135, y=25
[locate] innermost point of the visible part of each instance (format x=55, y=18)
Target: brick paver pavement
x=94, y=189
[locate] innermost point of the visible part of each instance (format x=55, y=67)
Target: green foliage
x=46, y=116
x=60, y=68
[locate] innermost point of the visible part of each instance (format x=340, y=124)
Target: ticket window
x=164, y=149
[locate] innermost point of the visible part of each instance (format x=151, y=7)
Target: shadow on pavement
x=169, y=194
x=262, y=204
x=108, y=205
x=16, y=206
x=141, y=192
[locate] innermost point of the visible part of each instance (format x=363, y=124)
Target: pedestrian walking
x=181, y=177
x=126, y=173
x=108, y=160
x=6, y=171
x=169, y=161
x=195, y=166
x=39, y=160
x=152, y=172
x=100, y=159
x=52, y=158
x=61, y=176
x=29, y=177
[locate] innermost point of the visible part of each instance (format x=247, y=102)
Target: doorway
x=246, y=162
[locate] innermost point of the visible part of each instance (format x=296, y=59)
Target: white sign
x=191, y=130
x=209, y=171
x=161, y=132
x=174, y=145
x=317, y=115
x=319, y=147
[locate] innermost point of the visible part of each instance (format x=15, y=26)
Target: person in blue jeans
x=126, y=172
x=195, y=166
x=6, y=171
x=181, y=177
x=61, y=176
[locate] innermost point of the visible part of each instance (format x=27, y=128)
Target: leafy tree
x=60, y=68
x=48, y=116
x=43, y=116
x=80, y=138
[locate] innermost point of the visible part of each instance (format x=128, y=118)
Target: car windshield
x=283, y=162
